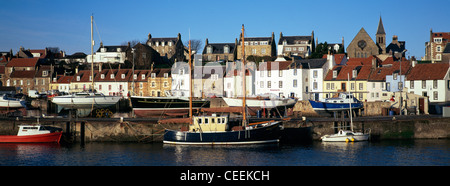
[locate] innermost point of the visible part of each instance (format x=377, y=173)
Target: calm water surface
x=384, y=153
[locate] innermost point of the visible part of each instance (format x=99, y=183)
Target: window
x=435, y=95
x=280, y=85
x=361, y=86
x=438, y=48
x=395, y=76
x=328, y=86
x=295, y=71
x=269, y=84
x=141, y=85
x=153, y=84
x=209, y=50
x=44, y=73
x=43, y=81
x=332, y=86
x=254, y=51
x=315, y=85
x=261, y=84
x=411, y=84
x=78, y=78
x=354, y=73
x=435, y=84
x=153, y=75
x=280, y=73
x=99, y=87
x=170, y=43
x=123, y=76
x=424, y=84
x=166, y=84
x=288, y=48
x=388, y=86
x=315, y=74
x=269, y=73
x=263, y=51
x=120, y=87
x=295, y=83
x=226, y=49
x=109, y=87
x=102, y=76
x=334, y=74
x=143, y=76
x=112, y=76
x=400, y=85
x=352, y=86
x=437, y=40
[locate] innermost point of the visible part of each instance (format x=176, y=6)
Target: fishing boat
x=145, y=106
x=347, y=135
x=86, y=100
x=33, y=134
x=11, y=103
x=220, y=130
x=345, y=101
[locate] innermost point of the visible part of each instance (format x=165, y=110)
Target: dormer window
x=355, y=73
x=170, y=43
x=123, y=76
x=209, y=50
x=112, y=76
x=90, y=78
x=395, y=76
x=284, y=42
x=334, y=73
x=226, y=49
x=153, y=75
x=119, y=49
x=102, y=49
x=143, y=76
x=135, y=76
x=44, y=73
x=102, y=76
x=78, y=78
x=166, y=75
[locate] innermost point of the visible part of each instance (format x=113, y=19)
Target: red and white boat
x=33, y=134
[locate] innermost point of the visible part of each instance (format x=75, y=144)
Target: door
x=343, y=85
x=421, y=105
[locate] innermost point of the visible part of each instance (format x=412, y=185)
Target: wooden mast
x=92, y=52
x=190, y=84
x=244, y=121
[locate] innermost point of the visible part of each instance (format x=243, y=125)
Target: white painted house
x=109, y=54
x=276, y=78
x=430, y=79
x=233, y=80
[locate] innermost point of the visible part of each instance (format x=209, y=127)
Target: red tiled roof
x=363, y=72
x=23, y=74
x=23, y=62
x=65, y=79
x=428, y=71
x=361, y=61
x=380, y=73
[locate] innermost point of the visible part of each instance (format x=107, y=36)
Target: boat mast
x=350, y=103
x=92, y=52
x=243, y=82
x=190, y=84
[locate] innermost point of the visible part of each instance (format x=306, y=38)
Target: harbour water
x=432, y=152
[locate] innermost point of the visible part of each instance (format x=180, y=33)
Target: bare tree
x=132, y=42
x=196, y=44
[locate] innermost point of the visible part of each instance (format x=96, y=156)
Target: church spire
x=380, y=29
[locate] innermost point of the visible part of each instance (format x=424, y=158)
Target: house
x=257, y=47
x=233, y=84
x=159, y=82
x=23, y=80
x=337, y=81
x=301, y=46
x=145, y=57
x=276, y=78
x=219, y=51
x=180, y=79
x=171, y=48
x=208, y=80
x=109, y=54
x=313, y=72
x=138, y=83
x=61, y=83
x=386, y=79
x=81, y=81
x=43, y=78
x=430, y=79
x=435, y=47
x=113, y=82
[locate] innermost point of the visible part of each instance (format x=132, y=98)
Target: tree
x=132, y=42
x=321, y=49
x=196, y=45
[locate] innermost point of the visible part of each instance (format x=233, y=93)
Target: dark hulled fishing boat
x=144, y=106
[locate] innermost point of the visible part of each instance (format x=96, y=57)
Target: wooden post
x=82, y=132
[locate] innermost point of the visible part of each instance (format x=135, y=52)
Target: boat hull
x=260, y=103
x=350, y=138
x=267, y=134
x=158, y=106
x=324, y=106
x=53, y=137
x=85, y=102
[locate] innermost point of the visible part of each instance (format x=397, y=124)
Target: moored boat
x=33, y=134
x=345, y=136
x=145, y=106
x=343, y=102
x=11, y=103
x=85, y=100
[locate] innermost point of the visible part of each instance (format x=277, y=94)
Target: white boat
x=345, y=136
x=256, y=102
x=11, y=103
x=85, y=100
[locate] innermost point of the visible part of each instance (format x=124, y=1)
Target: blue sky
x=66, y=24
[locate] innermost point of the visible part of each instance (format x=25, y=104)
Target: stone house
x=219, y=51
x=144, y=57
x=159, y=82
x=301, y=46
x=435, y=47
x=257, y=46
x=171, y=48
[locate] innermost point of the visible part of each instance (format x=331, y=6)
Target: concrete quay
x=296, y=130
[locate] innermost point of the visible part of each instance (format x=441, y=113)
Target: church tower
x=381, y=38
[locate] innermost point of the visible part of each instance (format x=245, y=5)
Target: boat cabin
x=25, y=130
x=343, y=98
x=211, y=123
